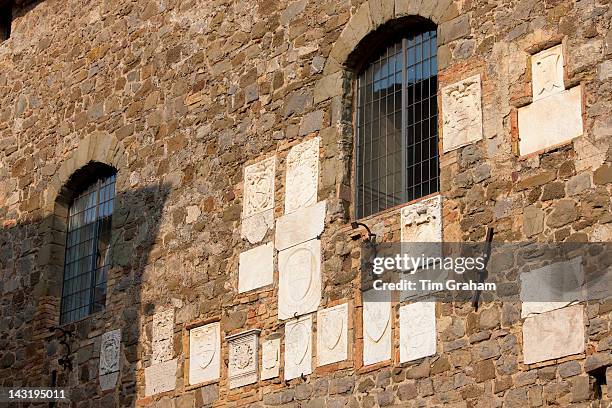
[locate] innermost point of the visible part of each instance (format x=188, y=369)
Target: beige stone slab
x=243, y=358
x=298, y=347
x=550, y=121
x=552, y=287
x=256, y=268
x=376, y=326
x=417, y=331
x=160, y=377
x=255, y=227
x=270, y=359
x=163, y=335
x=299, y=270
x=461, y=113
x=204, y=353
x=259, y=187
x=553, y=334
x=547, y=72
x=332, y=334
x=302, y=178
x=110, y=358
x=300, y=226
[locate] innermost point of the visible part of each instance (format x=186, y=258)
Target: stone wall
x=181, y=95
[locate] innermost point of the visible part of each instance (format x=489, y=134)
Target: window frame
x=368, y=53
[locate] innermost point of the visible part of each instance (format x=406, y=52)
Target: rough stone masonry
x=182, y=96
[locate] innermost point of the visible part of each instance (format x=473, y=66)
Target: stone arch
x=96, y=147
x=369, y=17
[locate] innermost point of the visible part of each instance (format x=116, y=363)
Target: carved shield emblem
x=270, y=355
x=299, y=341
x=300, y=265
x=548, y=68
x=205, y=345
x=109, y=352
x=376, y=319
x=332, y=326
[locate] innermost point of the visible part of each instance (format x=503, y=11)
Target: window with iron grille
x=87, y=259
x=397, y=124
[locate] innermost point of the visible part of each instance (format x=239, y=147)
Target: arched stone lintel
x=370, y=15
x=96, y=147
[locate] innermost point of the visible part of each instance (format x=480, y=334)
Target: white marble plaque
x=302, y=180
x=204, y=353
x=417, y=331
x=160, y=377
x=299, y=270
x=110, y=353
x=376, y=326
x=259, y=187
x=243, y=358
x=332, y=334
x=550, y=121
x=421, y=228
x=300, y=226
x=298, y=347
x=552, y=287
x=256, y=268
x=163, y=335
x=270, y=359
x=461, y=113
x=553, y=334
x=255, y=227
x=547, y=72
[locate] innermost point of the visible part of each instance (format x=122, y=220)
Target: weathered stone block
x=256, y=268
x=461, y=113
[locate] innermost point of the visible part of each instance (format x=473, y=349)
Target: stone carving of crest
x=259, y=187
x=110, y=354
x=243, y=358
x=299, y=279
x=547, y=72
x=204, y=353
x=421, y=226
x=376, y=326
x=417, y=331
x=160, y=377
x=298, y=347
x=332, y=334
x=163, y=335
x=302, y=178
x=461, y=113
x=270, y=359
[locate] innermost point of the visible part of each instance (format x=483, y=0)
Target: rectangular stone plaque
x=205, y=353
x=160, y=377
x=547, y=72
x=300, y=226
x=461, y=113
x=298, y=347
x=270, y=359
x=550, y=121
x=421, y=227
x=163, y=335
x=110, y=357
x=376, y=326
x=256, y=268
x=243, y=358
x=552, y=287
x=417, y=331
x=259, y=187
x=553, y=334
x=332, y=334
x=302, y=179
x=299, y=270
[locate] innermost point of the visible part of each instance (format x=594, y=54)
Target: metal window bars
x=397, y=125
x=87, y=256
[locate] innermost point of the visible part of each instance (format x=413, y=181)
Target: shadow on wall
x=31, y=351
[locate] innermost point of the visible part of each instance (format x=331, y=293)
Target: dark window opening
x=397, y=124
x=88, y=242
x=6, y=19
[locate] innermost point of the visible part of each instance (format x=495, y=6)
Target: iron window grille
x=87, y=258
x=397, y=125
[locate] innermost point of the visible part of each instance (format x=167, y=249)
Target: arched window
x=397, y=123
x=88, y=239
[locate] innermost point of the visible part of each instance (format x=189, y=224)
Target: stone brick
x=407, y=391
x=580, y=388
x=564, y=212
x=603, y=175
x=569, y=369
x=578, y=184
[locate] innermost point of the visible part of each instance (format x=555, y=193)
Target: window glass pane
x=87, y=256
x=397, y=145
